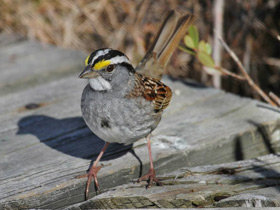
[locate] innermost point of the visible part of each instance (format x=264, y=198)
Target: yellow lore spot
x=86, y=61
x=101, y=64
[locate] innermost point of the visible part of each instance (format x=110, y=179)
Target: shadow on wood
x=265, y=136
x=70, y=136
x=238, y=149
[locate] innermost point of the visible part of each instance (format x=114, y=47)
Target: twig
x=272, y=61
x=275, y=98
x=218, y=13
x=246, y=75
x=228, y=73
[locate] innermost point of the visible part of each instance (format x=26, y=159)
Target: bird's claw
x=91, y=174
x=150, y=177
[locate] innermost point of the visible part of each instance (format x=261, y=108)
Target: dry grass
x=85, y=24
x=251, y=28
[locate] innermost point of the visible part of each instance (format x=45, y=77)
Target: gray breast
x=118, y=119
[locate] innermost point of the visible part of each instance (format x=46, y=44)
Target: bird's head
x=105, y=68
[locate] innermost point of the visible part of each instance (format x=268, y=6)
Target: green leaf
x=186, y=50
x=189, y=42
x=205, y=59
x=209, y=49
x=202, y=46
x=212, y=71
x=205, y=47
x=193, y=32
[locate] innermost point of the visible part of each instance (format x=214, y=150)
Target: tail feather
x=171, y=32
x=165, y=33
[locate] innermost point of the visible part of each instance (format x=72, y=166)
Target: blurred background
x=250, y=28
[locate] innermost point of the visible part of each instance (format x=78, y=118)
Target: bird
x=124, y=104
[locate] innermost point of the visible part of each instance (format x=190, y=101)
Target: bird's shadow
x=70, y=136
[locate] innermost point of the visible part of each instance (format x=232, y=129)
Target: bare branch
x=229, y=73
x=275, y=98
x=246, y=75
x=218, y=13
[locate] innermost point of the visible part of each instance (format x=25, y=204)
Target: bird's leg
x=151, y=176
x=94, y=170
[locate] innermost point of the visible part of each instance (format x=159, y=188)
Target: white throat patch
x=99, y=84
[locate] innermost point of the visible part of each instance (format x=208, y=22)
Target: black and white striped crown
x=101, y=58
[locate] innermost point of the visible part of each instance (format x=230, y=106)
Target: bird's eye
x=110, y=68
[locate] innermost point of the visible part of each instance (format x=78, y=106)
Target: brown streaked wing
x=152, y=90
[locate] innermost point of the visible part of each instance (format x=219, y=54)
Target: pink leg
x=94, y=170
x=151, y=176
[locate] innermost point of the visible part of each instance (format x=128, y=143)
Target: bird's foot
x=150, y=177
x=91, y=174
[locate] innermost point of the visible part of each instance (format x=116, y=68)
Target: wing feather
x=152, y=90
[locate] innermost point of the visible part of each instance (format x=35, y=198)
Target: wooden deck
x=44, y=142
x=249, y=183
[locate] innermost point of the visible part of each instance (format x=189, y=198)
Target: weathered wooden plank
x=25, y=64
x=228, y=208
x=251, y=183
x=7, y=39
x=44, y=148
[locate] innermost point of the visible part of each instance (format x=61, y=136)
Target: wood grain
x=44, y=142
x=249, y=183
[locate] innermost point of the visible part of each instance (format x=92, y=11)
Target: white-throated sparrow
x=122, y=104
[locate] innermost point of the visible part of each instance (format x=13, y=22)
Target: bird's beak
x=88, y=73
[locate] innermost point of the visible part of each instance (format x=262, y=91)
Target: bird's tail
x=171, y=32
